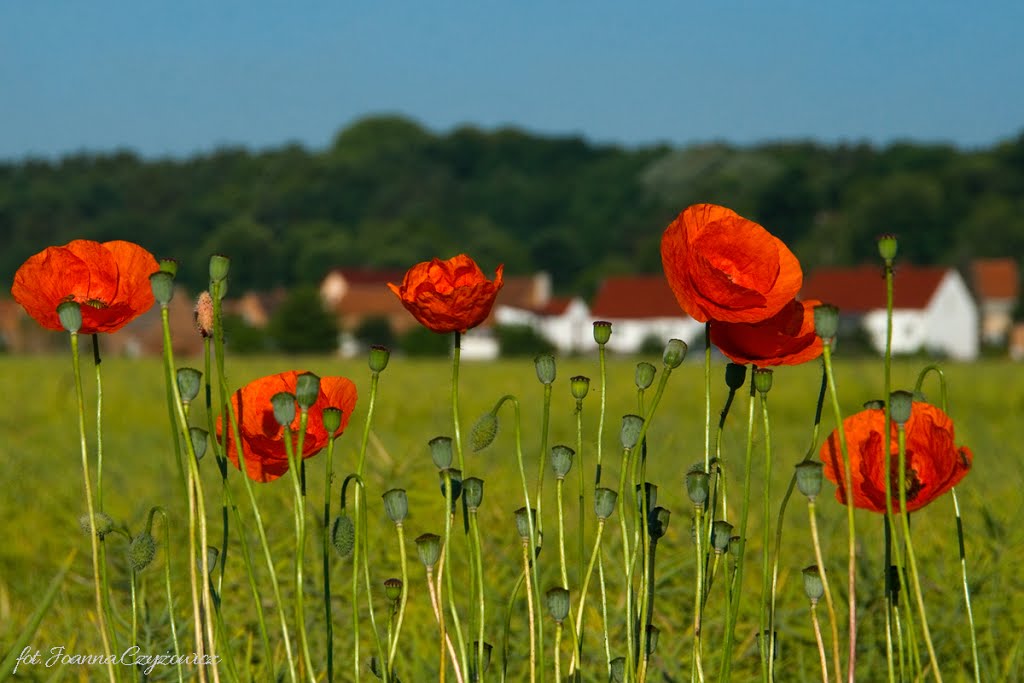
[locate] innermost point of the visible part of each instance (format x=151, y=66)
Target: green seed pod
x=826, y=321
x=441, y=451
x=763, y=380
x=141, y=551
x=483, y=432
x=808, y=478
x=618, y=667
x=644, y=375
x=814, y=588
x=104, y=524
x=162, y=284
x=332, y=419
x=429, y=548
x=393, y=589
x=657, y=523
x=721, y=533
x=698, y=487
x=630, y=432
x=283, y=404
x=544, y=364
x=901, y=404
x=675, y=352
x=561, y=460
x=379, y=357
x=70, y=314
x=307, y=390
x=473, y=493
x=579, y=386
x=735, y=376
x=219, y=266
x=200, y=439
x=523, y=518
x=168, y=265
x=558, y=603
x=602, y=332
x=396, y=505
x=343, y=535
x=887, y=247
x=874, y=404
x=604, y=502
x=189, y=382
x=652, y=639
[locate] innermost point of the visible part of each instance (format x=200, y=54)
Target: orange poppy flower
x=109, y=280
x=263, y=438
x=722, y=266
x=448, y=296
x=933, y=463
x=786, y=338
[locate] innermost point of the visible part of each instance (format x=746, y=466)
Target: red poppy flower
x=110, y=281
x=786, y=338
x=722, y=266
x=448, y=296
x=263, y=438
x=933, y=463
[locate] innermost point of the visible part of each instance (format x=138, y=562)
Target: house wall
x=909, y=330
x=629, y=335
x=952, y=319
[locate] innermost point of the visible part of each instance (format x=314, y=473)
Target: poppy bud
x=455, y=477
x=808, y=478
x=141, y=551
x=630, y=432
x=735, y=376
x=223, y=291
x=393, y=589
x=814, y=587
x=721, y=533
x=104, y=524
x=332, y=419
x=441, y=451
x=874, y=404
x=343, y=535
x=70, y=315
x=429, y=548
x=189, y=382
x=558, y=603
x=602, y=332
x=657, y=524
x=604, y=502
x=675, y=352
x=579, y=385
x=162, y=284
x=887, y=247
x=396, y=505
x=652, y=638
x=648, y=490
x=561, y=460
x=484, y=430
x=644, y=375
x=523, y=518
x=168, y=265
x=379, y=357
x=618, y=670
x=544, y=364
x=900, y=405
x=219, y=266
x=203, y=315
x=473, y=493
x=698, y=486
x=199, y=438
x=307, y=389
x=763, y=380
x=826, y=321
x=283, y=403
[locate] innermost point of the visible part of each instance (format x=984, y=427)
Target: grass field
x=42, y=499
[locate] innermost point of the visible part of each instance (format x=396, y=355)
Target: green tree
x=301, y=325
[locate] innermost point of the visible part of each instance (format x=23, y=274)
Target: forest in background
x=389, y=193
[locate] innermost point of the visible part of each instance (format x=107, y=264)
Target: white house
x=933, y=309
x=563, y=321
x=642, y=307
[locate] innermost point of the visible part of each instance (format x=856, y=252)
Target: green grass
x=42, y=500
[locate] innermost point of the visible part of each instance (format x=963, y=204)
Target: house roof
x=635, y=296
x=370, y=276
x=862, y=288
x=995, y=278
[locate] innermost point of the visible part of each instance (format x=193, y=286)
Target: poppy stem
x=821, y=644
x=967, y=588
x=170, y=591
x=769, y=574
x=328, y=619
x=294, y=452
x=829, y=604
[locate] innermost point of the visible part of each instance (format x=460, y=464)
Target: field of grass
x=42, y=499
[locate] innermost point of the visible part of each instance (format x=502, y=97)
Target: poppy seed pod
x=721, y=533
x=473, y=493
x=219, y=266
x=379, y=357
x=675, y=352
x=200, y=439
x=189, y=381
x=393, y=589
x=168, y=265
x=900, y=405
x=428, y=546
x=602, y=332
x=698, y=486
x=557, y=599
x=618, y=670
x=874, y=404
x=763, y=380
x=104, y=524
x=630, y=432
x=561, y=460
x=604, y=502
x=162, y=284
x=657, y=523
x=343, y=535
x=332, y=420
x=70, y=315
x=808, y=478
x=307, y=389
x=888, y=245
x=644, y=375
x=141, y=551
x=483, y=432
x=579, y=386
x=544, y=364
x=652, y=638
x=441, y=451
x=735, y=376
x=814, y=587
x=283, y=404
x=826, y=321
x=523, y=518
x=396, y=505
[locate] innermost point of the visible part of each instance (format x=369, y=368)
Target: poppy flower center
x=96, y=303
x=912, y=483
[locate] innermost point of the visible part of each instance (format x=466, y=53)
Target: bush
x=301, y=325
x=419, y=341
x=375, y=330
x=240, y=337
x=521, y=340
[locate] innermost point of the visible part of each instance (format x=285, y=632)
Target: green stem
x=542, y=458
x=698, y=597
x=328, y=618
x=967, y=589
x=460, y=640
x=294, y=453
x=812, y=514
x=529, y=602
x=478, y=568
x=768, y=577
x=404, y=598
x=457, y=431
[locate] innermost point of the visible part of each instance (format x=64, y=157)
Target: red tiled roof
x=995, y=278
x=370, y=276
x=636, y=296
x=557, y=305
x=861, y=289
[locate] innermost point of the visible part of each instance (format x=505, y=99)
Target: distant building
x=642, y=307
x=563, y=321
x=996, y=285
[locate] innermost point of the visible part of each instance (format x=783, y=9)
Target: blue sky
x=177, y=78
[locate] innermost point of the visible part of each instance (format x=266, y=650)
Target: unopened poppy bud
x=189, y=383
x=652, y=638
x=814, y=587
x=698, y=486
x=618, y=670
x=763, y=380
x=393, y=589
x=162, y=284
x=104, y=524
x=455, y=477
x=900, y=405
x=561, y=460
x=428, y=546
x=70, y=315
x=343, y=535
x=523, y=519
x=887, y=246
x=141, y=551
x=544, y=364
x=630, y=432
x=644, y=375
x=307, y=389
x=473, y=493
x=379, y=357
x=580, y=386
x=657, y=524
x=826, y=321
x=874, y=404
x=200, y=439
x=675, y=352
x=808, y=478
x=396, y=505
x=602, y=331
x=484, y=430
x=219, y=266
x=168, y=265
x=558, y=603
x=735, y=376
x=283, y=404
x=441, y=451
x=332, y=419
x=648, y=491
x=203, y=315
x=604, y=502
x=721, y=533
